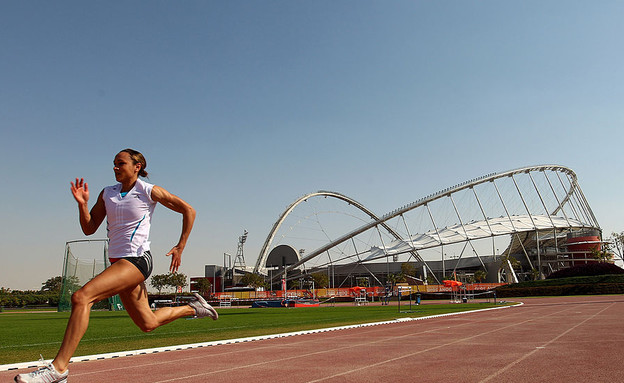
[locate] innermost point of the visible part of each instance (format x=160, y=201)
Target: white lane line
x=515, y=362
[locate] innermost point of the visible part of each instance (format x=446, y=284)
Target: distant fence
x=349, y=292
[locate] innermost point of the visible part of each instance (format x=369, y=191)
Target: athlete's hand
x=80, y=190
x=176, y=259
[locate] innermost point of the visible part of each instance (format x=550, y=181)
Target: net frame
x=76, y=274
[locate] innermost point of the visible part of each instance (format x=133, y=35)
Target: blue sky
x=241, y=107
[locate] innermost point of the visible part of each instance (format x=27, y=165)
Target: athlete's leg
x=118, y=277
x=136, y=304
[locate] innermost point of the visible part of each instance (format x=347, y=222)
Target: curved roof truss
x=264, y=253
x=568, y=209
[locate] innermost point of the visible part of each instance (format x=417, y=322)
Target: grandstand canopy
x=483, y=218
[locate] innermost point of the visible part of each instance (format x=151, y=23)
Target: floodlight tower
x=239, y=260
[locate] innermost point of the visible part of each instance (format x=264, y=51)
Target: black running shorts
x=143, y=263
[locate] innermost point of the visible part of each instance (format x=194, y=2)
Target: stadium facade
x=516, y=225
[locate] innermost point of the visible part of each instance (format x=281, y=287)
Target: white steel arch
x=264, y=252
x=541, y=199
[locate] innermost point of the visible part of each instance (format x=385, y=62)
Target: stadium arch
x=264, y=252
x=538, y=215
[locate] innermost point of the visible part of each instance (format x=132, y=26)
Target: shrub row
x=36, y=298
x=29, y=299
x=598, y=289
x=570, y=281
x=593, y=285
x=589, y=269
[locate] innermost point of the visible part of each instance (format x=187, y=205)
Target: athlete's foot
x=45, y=374
x=202, y=308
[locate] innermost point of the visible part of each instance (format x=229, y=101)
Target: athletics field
x=554, y=339
x=25, y=335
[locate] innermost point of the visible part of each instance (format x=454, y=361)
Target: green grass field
x=23, y=336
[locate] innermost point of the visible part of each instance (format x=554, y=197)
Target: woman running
x=128, y=208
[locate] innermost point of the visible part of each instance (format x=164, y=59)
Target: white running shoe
x=45, y=374
x=202, y=308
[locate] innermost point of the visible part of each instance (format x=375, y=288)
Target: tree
x=177, y=280
x=396, y=278
x=53, y=285
x=253, y=280
x=617, y=239
x=602, y=255
x=203, y=285
x=321, y=280
x=159, y=281
x=408, y=269
x=73, y=284
x=515, y=264
x=480, y=275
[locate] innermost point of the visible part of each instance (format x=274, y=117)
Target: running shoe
x=202, y=308
x=45, y=374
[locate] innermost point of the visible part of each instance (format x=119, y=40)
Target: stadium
x=517, y=225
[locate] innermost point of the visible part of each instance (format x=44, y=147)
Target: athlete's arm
x=90, y=221
x=176, y=204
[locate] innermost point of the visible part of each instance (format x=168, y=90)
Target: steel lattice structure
x=527, y=211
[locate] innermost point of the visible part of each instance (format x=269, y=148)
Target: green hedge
x=593, y=285
x=22, y=299
x=589, y=269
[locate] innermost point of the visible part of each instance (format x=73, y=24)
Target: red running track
x=563, y=339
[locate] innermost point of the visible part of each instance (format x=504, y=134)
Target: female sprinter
x=128, y=208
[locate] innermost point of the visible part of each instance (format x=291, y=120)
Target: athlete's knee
x=147, y=323
x=148, y=326
x=82, y=297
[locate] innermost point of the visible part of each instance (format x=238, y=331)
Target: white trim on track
x=35, y=364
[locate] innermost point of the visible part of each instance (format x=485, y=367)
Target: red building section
x=581, y=247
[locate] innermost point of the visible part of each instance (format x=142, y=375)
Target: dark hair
x=137, y=158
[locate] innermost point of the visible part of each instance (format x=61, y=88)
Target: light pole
x=229, y=257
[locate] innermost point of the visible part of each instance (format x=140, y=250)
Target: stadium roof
x=475, y=230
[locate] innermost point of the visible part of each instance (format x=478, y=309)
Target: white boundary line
x=35, y=364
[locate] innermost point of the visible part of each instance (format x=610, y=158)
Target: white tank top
x=128, y=219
